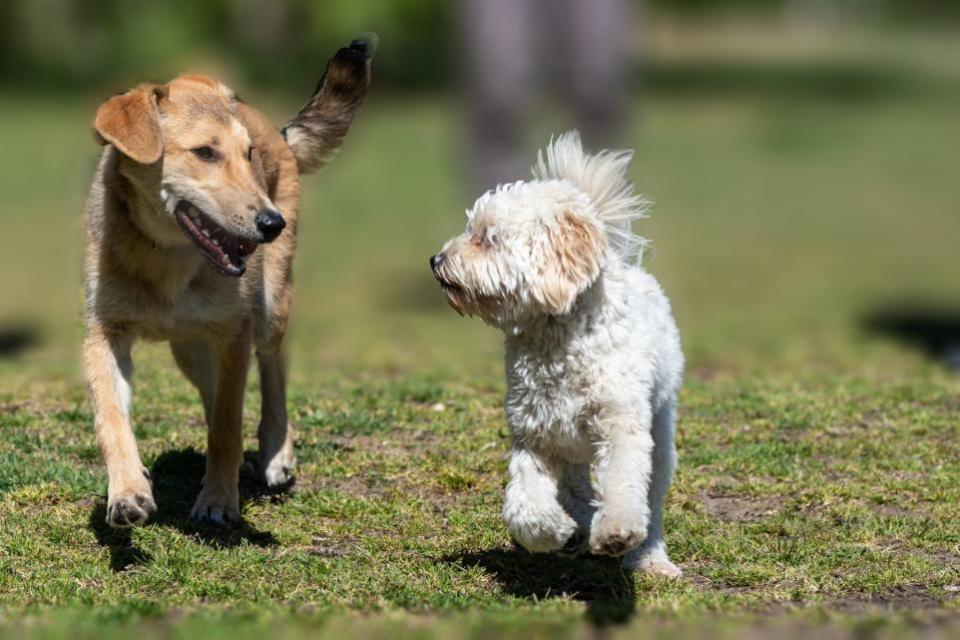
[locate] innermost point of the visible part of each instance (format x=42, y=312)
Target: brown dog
x=191, y=226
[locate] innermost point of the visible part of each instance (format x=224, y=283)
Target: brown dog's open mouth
x=225, y=251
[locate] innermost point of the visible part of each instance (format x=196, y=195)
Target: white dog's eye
x=491, y=236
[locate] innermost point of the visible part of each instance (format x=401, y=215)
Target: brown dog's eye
x=250, y=154
x=205, y=153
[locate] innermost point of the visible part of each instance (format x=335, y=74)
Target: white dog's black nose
x=270, y=223
x=436, y=260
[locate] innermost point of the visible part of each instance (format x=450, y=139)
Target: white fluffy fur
x=604, y=178
x=593, y=357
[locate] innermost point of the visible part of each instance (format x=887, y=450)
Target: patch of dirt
x=440, y=499
x=411, y=446
x=37, y=408
x=871, y=420
x=12, y=407
x=358, y=486
x=734, y=508
x=355, y=485
x=323, y=546
x=702, y=583
x=904, y=598
x=321, y=551
x=945, y=558
x=89, y=502
x=895, y=510
x=391, y=444
x=907, y=597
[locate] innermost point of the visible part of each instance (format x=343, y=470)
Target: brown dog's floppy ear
x=577, y=247
x=131, y=123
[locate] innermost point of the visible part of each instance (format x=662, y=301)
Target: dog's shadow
x=601, y=583
x=176, y=477
x=932, y=330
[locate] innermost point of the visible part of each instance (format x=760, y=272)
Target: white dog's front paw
x=540, y=531
x=614, y=535
x=653, y=560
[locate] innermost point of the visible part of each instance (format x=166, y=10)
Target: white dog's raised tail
x=603, y=177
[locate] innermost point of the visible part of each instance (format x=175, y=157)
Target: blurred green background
x=802, y=156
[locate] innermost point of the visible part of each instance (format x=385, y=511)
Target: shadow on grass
x=177, y=477
x=123, y=553
x=932, y=330
x=601, y=583
x=17, y=338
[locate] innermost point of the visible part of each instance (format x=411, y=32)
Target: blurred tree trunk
x=262, y=25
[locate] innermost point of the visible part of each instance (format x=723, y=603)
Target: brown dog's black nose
x=270, y=223
x=436, y=260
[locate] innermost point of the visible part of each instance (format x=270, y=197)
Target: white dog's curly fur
x=593, y=357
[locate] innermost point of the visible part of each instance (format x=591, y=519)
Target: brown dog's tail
x=317, y=131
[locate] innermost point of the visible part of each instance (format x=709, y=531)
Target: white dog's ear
x=131, y=123
x=575, y=258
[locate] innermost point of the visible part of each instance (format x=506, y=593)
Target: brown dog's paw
x=216, y=507
x=130, y=508
x=278, y=472
x=277, y=475
x=360, y=49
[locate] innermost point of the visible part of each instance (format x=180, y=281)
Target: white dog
x=593, y=357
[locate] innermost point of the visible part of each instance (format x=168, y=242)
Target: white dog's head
x=531, y=248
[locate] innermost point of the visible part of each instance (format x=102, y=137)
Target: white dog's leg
x=623, y=466
x=652, y=555
x=531, y=510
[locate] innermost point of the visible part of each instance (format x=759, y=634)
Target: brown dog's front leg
x=219, y=500
x=109, y=370
x=275, y=434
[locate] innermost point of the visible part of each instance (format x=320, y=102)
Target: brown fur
x=147, y=279
x=131, y=123
x=579, y=246
x=322, y=123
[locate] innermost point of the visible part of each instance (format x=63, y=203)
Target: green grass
x=819, y=470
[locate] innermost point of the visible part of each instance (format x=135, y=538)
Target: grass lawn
x=819, y=469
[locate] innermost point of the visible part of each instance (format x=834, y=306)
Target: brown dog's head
x=189, y=152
